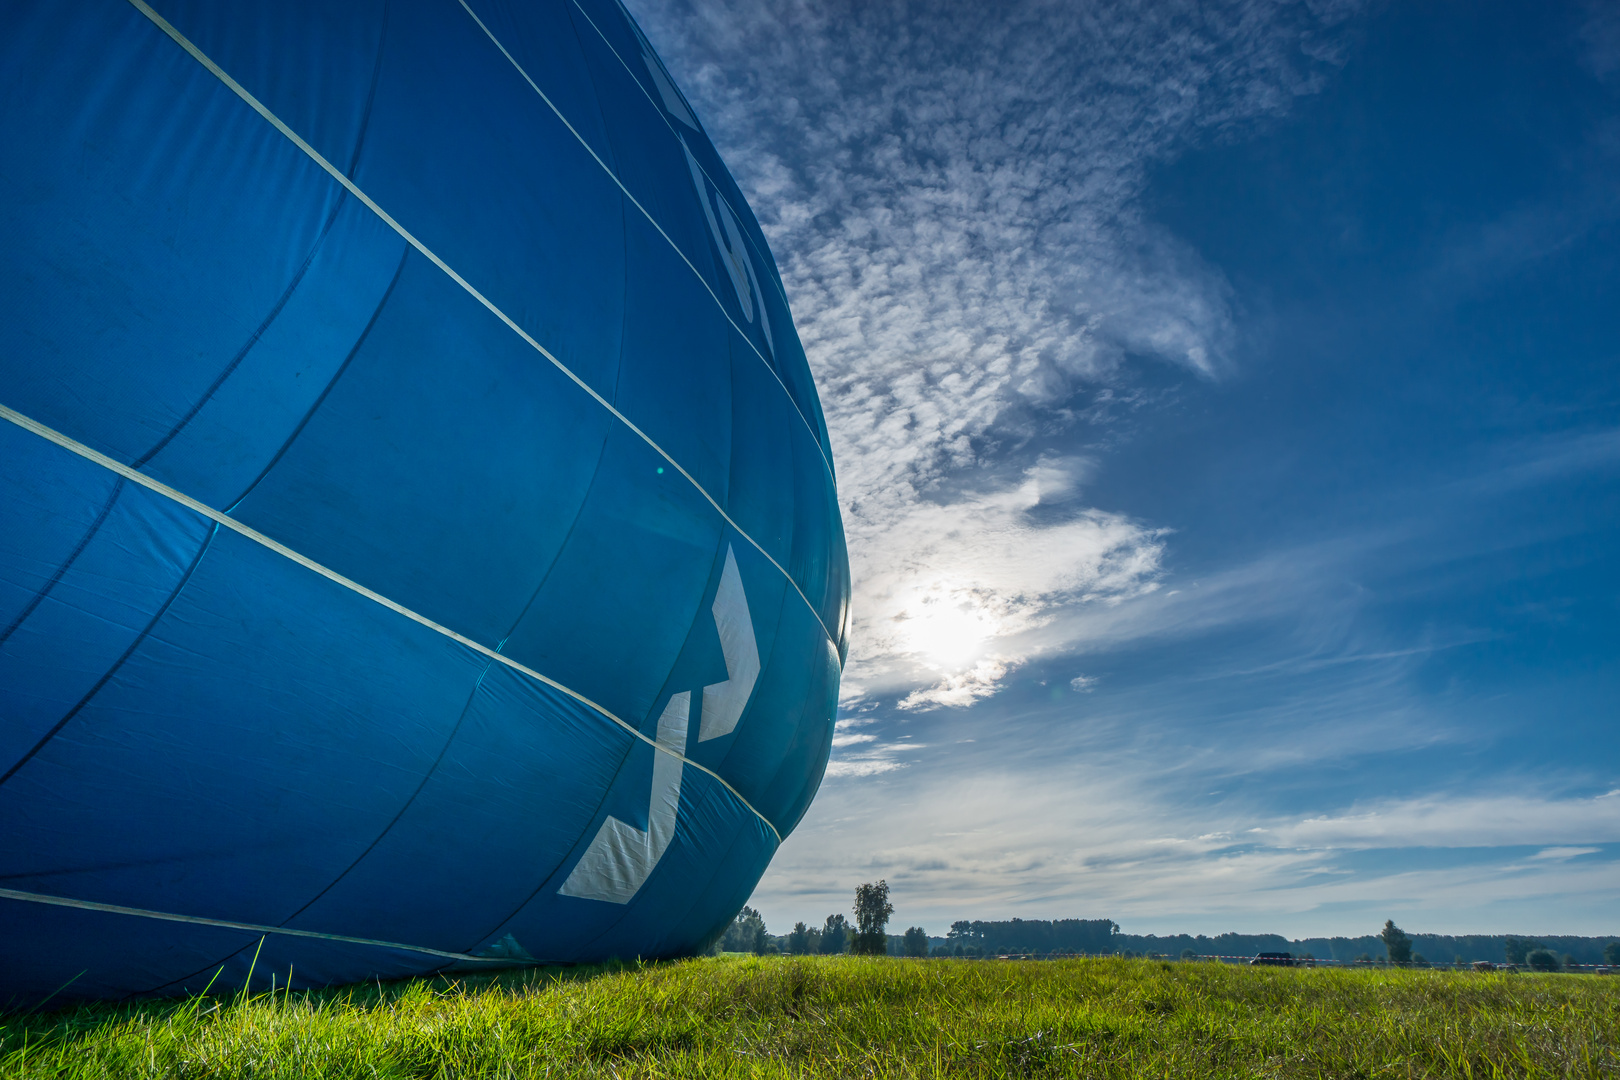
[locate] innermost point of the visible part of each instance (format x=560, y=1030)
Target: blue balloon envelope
x=418, y=536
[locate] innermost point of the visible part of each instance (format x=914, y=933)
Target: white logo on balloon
x=722, y=222
x=621, y=856
x=733, y=252
x=666, y=89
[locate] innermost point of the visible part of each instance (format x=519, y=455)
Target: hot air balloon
x=419, y=545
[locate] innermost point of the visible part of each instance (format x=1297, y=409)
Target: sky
x=1225, y=398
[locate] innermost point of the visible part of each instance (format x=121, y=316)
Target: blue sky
x=1226, y=403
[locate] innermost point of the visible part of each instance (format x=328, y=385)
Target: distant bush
x=1542, y=960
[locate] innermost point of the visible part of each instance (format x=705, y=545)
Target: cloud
x=860, y=753
x=977, y=840
x=971, y=574
x=1562, y=853
x=951, y=191
x=1600, y=35
x=1462, y=821
x=861, y=767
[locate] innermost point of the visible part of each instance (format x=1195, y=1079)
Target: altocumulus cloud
x=951, y=190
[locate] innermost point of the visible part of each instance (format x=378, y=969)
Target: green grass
x=856, y=1017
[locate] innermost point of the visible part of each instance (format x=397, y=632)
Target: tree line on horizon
x=1102, y=937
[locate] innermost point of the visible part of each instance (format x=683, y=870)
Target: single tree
x=1396, y=941
x=872, y=911
x=960, y=931
x=798, y=940
x=1188, y=954
x=834, y=935
x=916, y=941
x=746, y=933
x=1611, y=954
x=1542, y=960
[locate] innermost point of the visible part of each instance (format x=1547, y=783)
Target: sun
x=948, y=632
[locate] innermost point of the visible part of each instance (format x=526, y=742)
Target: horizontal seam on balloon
x=820, y=450
x=314, y=155
x=648, y=95
x=229, y=924
x=74, y=446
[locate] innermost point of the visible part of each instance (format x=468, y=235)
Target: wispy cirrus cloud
x=952, y=193
x=1464, y=821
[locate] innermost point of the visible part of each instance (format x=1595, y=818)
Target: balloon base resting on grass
x=418, y=540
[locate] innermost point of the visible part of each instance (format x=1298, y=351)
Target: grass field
x=856, y=1017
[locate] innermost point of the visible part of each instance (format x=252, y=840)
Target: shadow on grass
x=67, y=1019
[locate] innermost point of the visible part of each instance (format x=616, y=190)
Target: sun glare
x=948, y=632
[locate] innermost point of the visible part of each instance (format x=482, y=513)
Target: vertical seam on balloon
x=579, y=512
x=298, y=278
x=253, y=339
x=106, y=677
x=61, y=571
x=371, y=94
x=821, y=450
x=248, y=532
x=586, y=833
x=461, y=718
x=426, y=776
x=309, y=414
x=314, y=155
